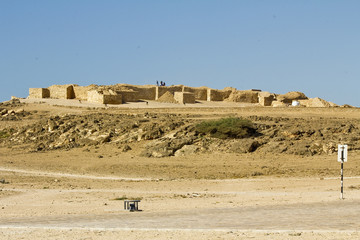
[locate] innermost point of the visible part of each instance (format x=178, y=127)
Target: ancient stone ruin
x=122, y=93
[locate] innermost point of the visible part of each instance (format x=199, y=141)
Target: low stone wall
x=244, y=96
x=162, y=90
x=266, y=98
x=217, y=95
x=39, y=93
x=184, y=97
x=145, y=93
x=112, y=99
x=62, y=91
x=104, y=97
x=95, y=97
x=128, y=96
x=81, y=93
x=199, y=93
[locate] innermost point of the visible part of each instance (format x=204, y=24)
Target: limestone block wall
x=112, y=99
x=62, y=91
x=128, y=96
x=39, y=93
x=146, y=92
x=184, y=97
x=162, y=90
x=104, y=97
x=245, y=96
x=200, y=93
x=95, y=96
x=217, y=95
x=266, y=98
x=81, y=93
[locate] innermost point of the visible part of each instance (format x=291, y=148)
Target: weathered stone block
x=39, y=93
x=244, y=96
x=200, y=92
x=81, y=92
x=104, y=97
x=162, y=90
x=217, y=95
x=128, y=96
x=184, y=97
x=62, y=91
x=266, y=98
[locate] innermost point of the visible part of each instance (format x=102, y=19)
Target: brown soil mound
x=167, y=98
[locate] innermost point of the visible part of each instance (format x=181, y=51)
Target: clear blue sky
x=276, y=46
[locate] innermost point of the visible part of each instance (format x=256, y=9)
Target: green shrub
x=4, y=134
x=226, y=128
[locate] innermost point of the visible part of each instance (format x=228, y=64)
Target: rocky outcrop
x=291, y=96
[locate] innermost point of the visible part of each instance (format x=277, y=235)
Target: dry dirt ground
x=76, y=191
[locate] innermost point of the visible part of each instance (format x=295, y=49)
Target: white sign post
x=342, y=157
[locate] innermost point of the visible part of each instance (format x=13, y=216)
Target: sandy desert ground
x=78, y=193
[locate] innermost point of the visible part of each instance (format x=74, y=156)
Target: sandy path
x=298, y=217
x=263, y=208
x=69, y=175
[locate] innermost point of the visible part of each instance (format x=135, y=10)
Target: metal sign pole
x=342, y=157
x=342, y=181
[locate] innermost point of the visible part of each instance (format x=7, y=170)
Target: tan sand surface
x=74, y=194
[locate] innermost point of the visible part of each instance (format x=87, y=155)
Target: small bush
x=226, y=128
x=4, y=134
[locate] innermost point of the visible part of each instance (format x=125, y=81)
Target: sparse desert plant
x=4, y=134
x=226, y=128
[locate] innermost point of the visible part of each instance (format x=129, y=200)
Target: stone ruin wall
x=184, y=97
x=145, y=92
x=162, y=90
x=245, y=96
x=39, y=93
x=95, y=96
x=132, y=93
x=81, y=93
x=199, y=93
x=113, y=99
x=98, y=96
x=128, y=96
x=217, y=95
x=266, y=98
x=62, y=91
